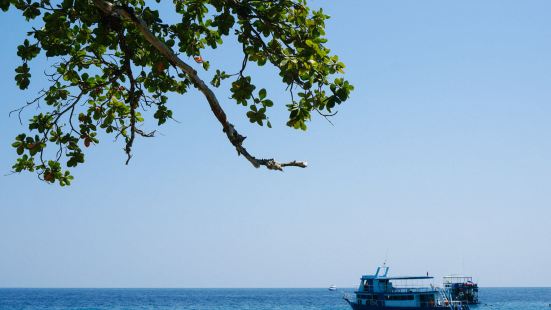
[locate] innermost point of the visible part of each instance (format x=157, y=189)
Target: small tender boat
x=332, y=288
x=379, y=291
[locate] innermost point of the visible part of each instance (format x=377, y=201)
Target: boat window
x=368, y=297
x=399, y=297
x=426, y=297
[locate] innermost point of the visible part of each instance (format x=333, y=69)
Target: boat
x=380, y=291
x=332, y=288
x=461, y=288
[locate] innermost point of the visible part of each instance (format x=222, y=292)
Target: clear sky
x=440, y=162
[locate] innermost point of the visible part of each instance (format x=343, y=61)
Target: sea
x=223, y=299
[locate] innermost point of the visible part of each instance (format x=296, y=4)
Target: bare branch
x=327, y=116
x=131, y=95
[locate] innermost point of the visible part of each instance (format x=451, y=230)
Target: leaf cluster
x=109, y=78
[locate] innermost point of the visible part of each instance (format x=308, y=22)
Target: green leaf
x=262, y=94
x=4, y=5
x=23, y=75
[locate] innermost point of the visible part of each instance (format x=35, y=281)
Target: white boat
x=332, y=288
x=380, y=292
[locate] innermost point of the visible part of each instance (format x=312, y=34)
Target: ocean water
x=218, y=299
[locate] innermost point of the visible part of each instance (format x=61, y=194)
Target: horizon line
x=217, y=288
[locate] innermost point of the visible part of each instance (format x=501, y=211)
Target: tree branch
x=131, y=95
x=235, y=138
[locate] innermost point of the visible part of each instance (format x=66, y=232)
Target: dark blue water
x=217, y=299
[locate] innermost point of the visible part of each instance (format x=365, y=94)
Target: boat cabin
x=380, y=290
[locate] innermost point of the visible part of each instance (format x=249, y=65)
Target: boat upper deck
x=450, y=279
x=380, y=282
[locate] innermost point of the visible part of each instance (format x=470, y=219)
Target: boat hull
x=356, y=306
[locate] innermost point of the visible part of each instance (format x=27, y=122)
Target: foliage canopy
x=115, y=60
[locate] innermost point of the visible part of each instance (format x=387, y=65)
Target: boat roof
x=382, y=272
x=457, y=276
x=397, y=278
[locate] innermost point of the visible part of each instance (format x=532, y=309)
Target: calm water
x=215, y=299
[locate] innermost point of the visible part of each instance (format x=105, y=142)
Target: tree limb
x=235, y=138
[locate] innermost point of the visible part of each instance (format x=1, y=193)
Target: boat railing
x=428, y=304
x=446, y=300
x=400, y=290
x=458, y=305
x=457, y=279
x=409, y=290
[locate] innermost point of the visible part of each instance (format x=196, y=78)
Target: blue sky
x=439, y=162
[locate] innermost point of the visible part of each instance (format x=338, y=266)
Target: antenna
x=386, y=257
